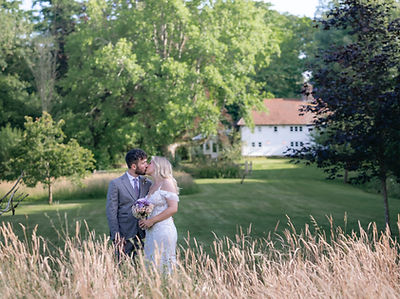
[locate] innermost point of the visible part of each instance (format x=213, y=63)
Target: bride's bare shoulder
x=168, y=185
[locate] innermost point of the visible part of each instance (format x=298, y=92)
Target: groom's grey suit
x=120, y=199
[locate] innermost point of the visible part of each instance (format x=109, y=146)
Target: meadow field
x=286, y=232
x=275, y=190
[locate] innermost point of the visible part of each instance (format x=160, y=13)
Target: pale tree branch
x=155, y=39
x=43, y=67
x=165, y=39
x=10, y=201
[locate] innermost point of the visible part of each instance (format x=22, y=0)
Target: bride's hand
x=145, y=223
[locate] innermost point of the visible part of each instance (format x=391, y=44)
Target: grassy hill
x=275, y=189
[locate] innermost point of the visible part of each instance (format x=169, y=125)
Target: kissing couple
x=157, y=233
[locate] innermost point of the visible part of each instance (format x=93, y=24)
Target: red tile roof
x=281, y=112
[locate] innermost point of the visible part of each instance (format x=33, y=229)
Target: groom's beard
x=140, y=172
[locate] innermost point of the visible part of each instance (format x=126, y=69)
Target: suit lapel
x=128, y=185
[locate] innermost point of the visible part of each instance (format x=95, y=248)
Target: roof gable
x=281, y=112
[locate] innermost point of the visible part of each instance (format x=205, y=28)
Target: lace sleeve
x=170, y=195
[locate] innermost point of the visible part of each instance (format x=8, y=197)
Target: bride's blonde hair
x=163, y=169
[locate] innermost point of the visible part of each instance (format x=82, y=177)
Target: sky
x=295, y=7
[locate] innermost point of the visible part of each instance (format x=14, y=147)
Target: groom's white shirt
x=131, y=180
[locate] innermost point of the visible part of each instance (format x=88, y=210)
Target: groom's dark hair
x=134, y=155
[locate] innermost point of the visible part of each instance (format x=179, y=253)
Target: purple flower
x=142, y=202
x=142, y=208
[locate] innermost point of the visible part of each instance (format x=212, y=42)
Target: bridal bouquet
x=142, y=208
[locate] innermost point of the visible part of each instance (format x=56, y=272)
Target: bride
x=161, y=232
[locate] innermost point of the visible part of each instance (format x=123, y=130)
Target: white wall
x=210, y=147
x=265, y=141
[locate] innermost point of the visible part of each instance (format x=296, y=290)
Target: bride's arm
x=168, y=212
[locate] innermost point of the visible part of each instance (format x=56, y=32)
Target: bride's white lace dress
x=160, y=242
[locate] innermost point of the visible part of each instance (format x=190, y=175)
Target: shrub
x=374, y=186
x=185, y=183
x=217, y=169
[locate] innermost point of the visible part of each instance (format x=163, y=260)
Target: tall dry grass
x=296, y=265
x=93, y=186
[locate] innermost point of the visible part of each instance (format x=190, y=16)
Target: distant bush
x=186, y=183
x=374, y=186
x=217, y=169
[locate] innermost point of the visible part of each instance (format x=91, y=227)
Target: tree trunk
x=190, y=154
x=346, y=176
x=171, y=149
x=385, y=202
x=50, y=186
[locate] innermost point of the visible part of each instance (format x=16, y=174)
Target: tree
x=283, y=76
x=357, y=94
x=153, y=73
x=44, y=157
x=57, y=19
x=9, y=140
x=17, y=97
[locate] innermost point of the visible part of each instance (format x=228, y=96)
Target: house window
x=259, y=144
x=297, y=144
x=309, y=129
x=275, y=129
x=291, y=129
x=301, y=129
x=253, y=144
x=301, y=143
x=215, y=147
x=259, y=129
x=207, y=146
x=295, y=128
x=291, y=143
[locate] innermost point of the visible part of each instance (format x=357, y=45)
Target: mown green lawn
x=275, y=189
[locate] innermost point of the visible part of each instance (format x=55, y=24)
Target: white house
x=277, y=130
x=209, y=145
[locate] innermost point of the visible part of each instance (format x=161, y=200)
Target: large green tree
x=57, y=19
x=153, y=73
x=357, y=93
x=16, y=89
x=43, y=155
x=283, y=76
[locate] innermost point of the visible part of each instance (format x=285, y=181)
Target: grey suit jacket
x=120, y=199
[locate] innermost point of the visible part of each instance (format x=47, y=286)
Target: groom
x=122, y=194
